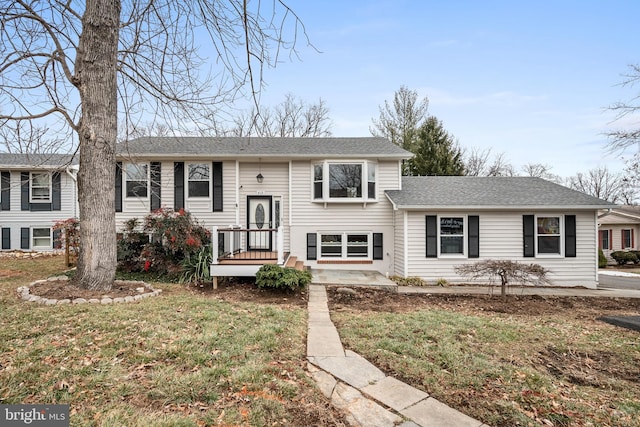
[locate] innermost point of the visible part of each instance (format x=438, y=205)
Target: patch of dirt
x=245, y=290
x=366, y=299
x=62, y=289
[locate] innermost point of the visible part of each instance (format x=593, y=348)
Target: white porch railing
x=238, y=244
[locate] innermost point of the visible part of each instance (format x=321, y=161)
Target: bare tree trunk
x=97, y=83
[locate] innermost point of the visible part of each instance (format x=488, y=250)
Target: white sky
x=532, y=80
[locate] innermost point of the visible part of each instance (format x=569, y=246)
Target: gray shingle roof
x=455, y=192
x=235, y=147
x=26, y=161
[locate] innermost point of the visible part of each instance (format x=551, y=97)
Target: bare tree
x=480, y=163
x=291, y=118
x=601, y=183
x=540, y=170
x=81, y=67
x=399, y=122
x=508, y=272
x=621, y=139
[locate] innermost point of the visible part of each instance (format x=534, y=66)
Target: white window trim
x=32, y=238
x=343, y=252
x=31, y=181
x=364, y=181
x=561, y=235
x=210, y=180
x=465, y=238
x=126, y=196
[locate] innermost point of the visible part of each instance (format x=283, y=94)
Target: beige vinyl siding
x=15, y=219
x=310, y=216
x=616, y=236
x=501, y=238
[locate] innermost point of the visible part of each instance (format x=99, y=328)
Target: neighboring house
x=342, y=203
x=618, y=229
x=36, y=191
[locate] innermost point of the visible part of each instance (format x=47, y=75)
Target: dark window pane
x=345, y=180
x=548, y=245
x=198, y=188
x=136, y=188
x=371, y=190
x=451, y=245
x=317, y=190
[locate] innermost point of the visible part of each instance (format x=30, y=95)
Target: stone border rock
x=26, y=295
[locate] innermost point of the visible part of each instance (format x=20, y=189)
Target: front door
x=259, y=219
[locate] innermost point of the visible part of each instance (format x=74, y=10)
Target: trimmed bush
x=602, y=259
x=276, y=277
x=624, y=257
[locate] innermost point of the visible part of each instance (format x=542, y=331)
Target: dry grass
x=181, y=359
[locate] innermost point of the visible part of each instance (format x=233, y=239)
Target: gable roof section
x=36, y=160
x=620, y=215
x=250, y=147
x=479, y=193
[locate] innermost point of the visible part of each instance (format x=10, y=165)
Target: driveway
x=618, y=280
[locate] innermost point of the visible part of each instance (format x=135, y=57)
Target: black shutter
x=6, y=238
x=377, y=246
x=5, y=190
x=474, y=236
x=118, y=186
x=24, y=191
x=56, y=192
x=570, y=236
x=432, y=236
x=528, y=236
x=24, y=238
x=57, y=243
x=178, y=182
x=312, y=246
x=217, y=187
x=156, y=195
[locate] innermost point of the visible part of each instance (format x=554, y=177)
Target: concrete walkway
x=368, y=396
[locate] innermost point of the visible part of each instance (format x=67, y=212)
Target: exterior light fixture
x=259, y=178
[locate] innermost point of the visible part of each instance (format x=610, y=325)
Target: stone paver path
x=364, y=392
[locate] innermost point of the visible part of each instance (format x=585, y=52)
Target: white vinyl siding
x=310, y=216
x=501, y=237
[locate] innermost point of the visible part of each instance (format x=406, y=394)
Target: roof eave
x=502, y=207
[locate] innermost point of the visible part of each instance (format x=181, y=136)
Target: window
x=198, y=176
x=345, y=245
x=452, y=235
x=627, y=239
x=40, y=187
x=344, y=181
x=604, y=239
x=136, y=177
x=41, y=238
x=548, y=234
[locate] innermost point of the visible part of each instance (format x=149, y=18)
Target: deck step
x=294, y=262
x=299, y=265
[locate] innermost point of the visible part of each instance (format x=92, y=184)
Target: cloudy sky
x=532, y=80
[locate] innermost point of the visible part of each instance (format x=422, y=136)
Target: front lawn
x=185, y=358
x=528, y=361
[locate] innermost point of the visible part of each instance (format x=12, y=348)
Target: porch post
x=214, y=245
x=280, y=244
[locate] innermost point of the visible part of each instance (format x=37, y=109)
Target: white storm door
x=258, y=219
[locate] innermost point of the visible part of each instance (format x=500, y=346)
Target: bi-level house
x=342, y=203
x=338, y=203
x=36, y=191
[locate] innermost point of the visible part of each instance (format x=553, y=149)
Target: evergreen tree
x=436, y=152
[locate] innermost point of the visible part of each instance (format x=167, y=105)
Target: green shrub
x=624, y=257
x=637, y=254
x=276, y=277
x=130, y=245
x=408, y=281
x=602, y=259
x=195, y=268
